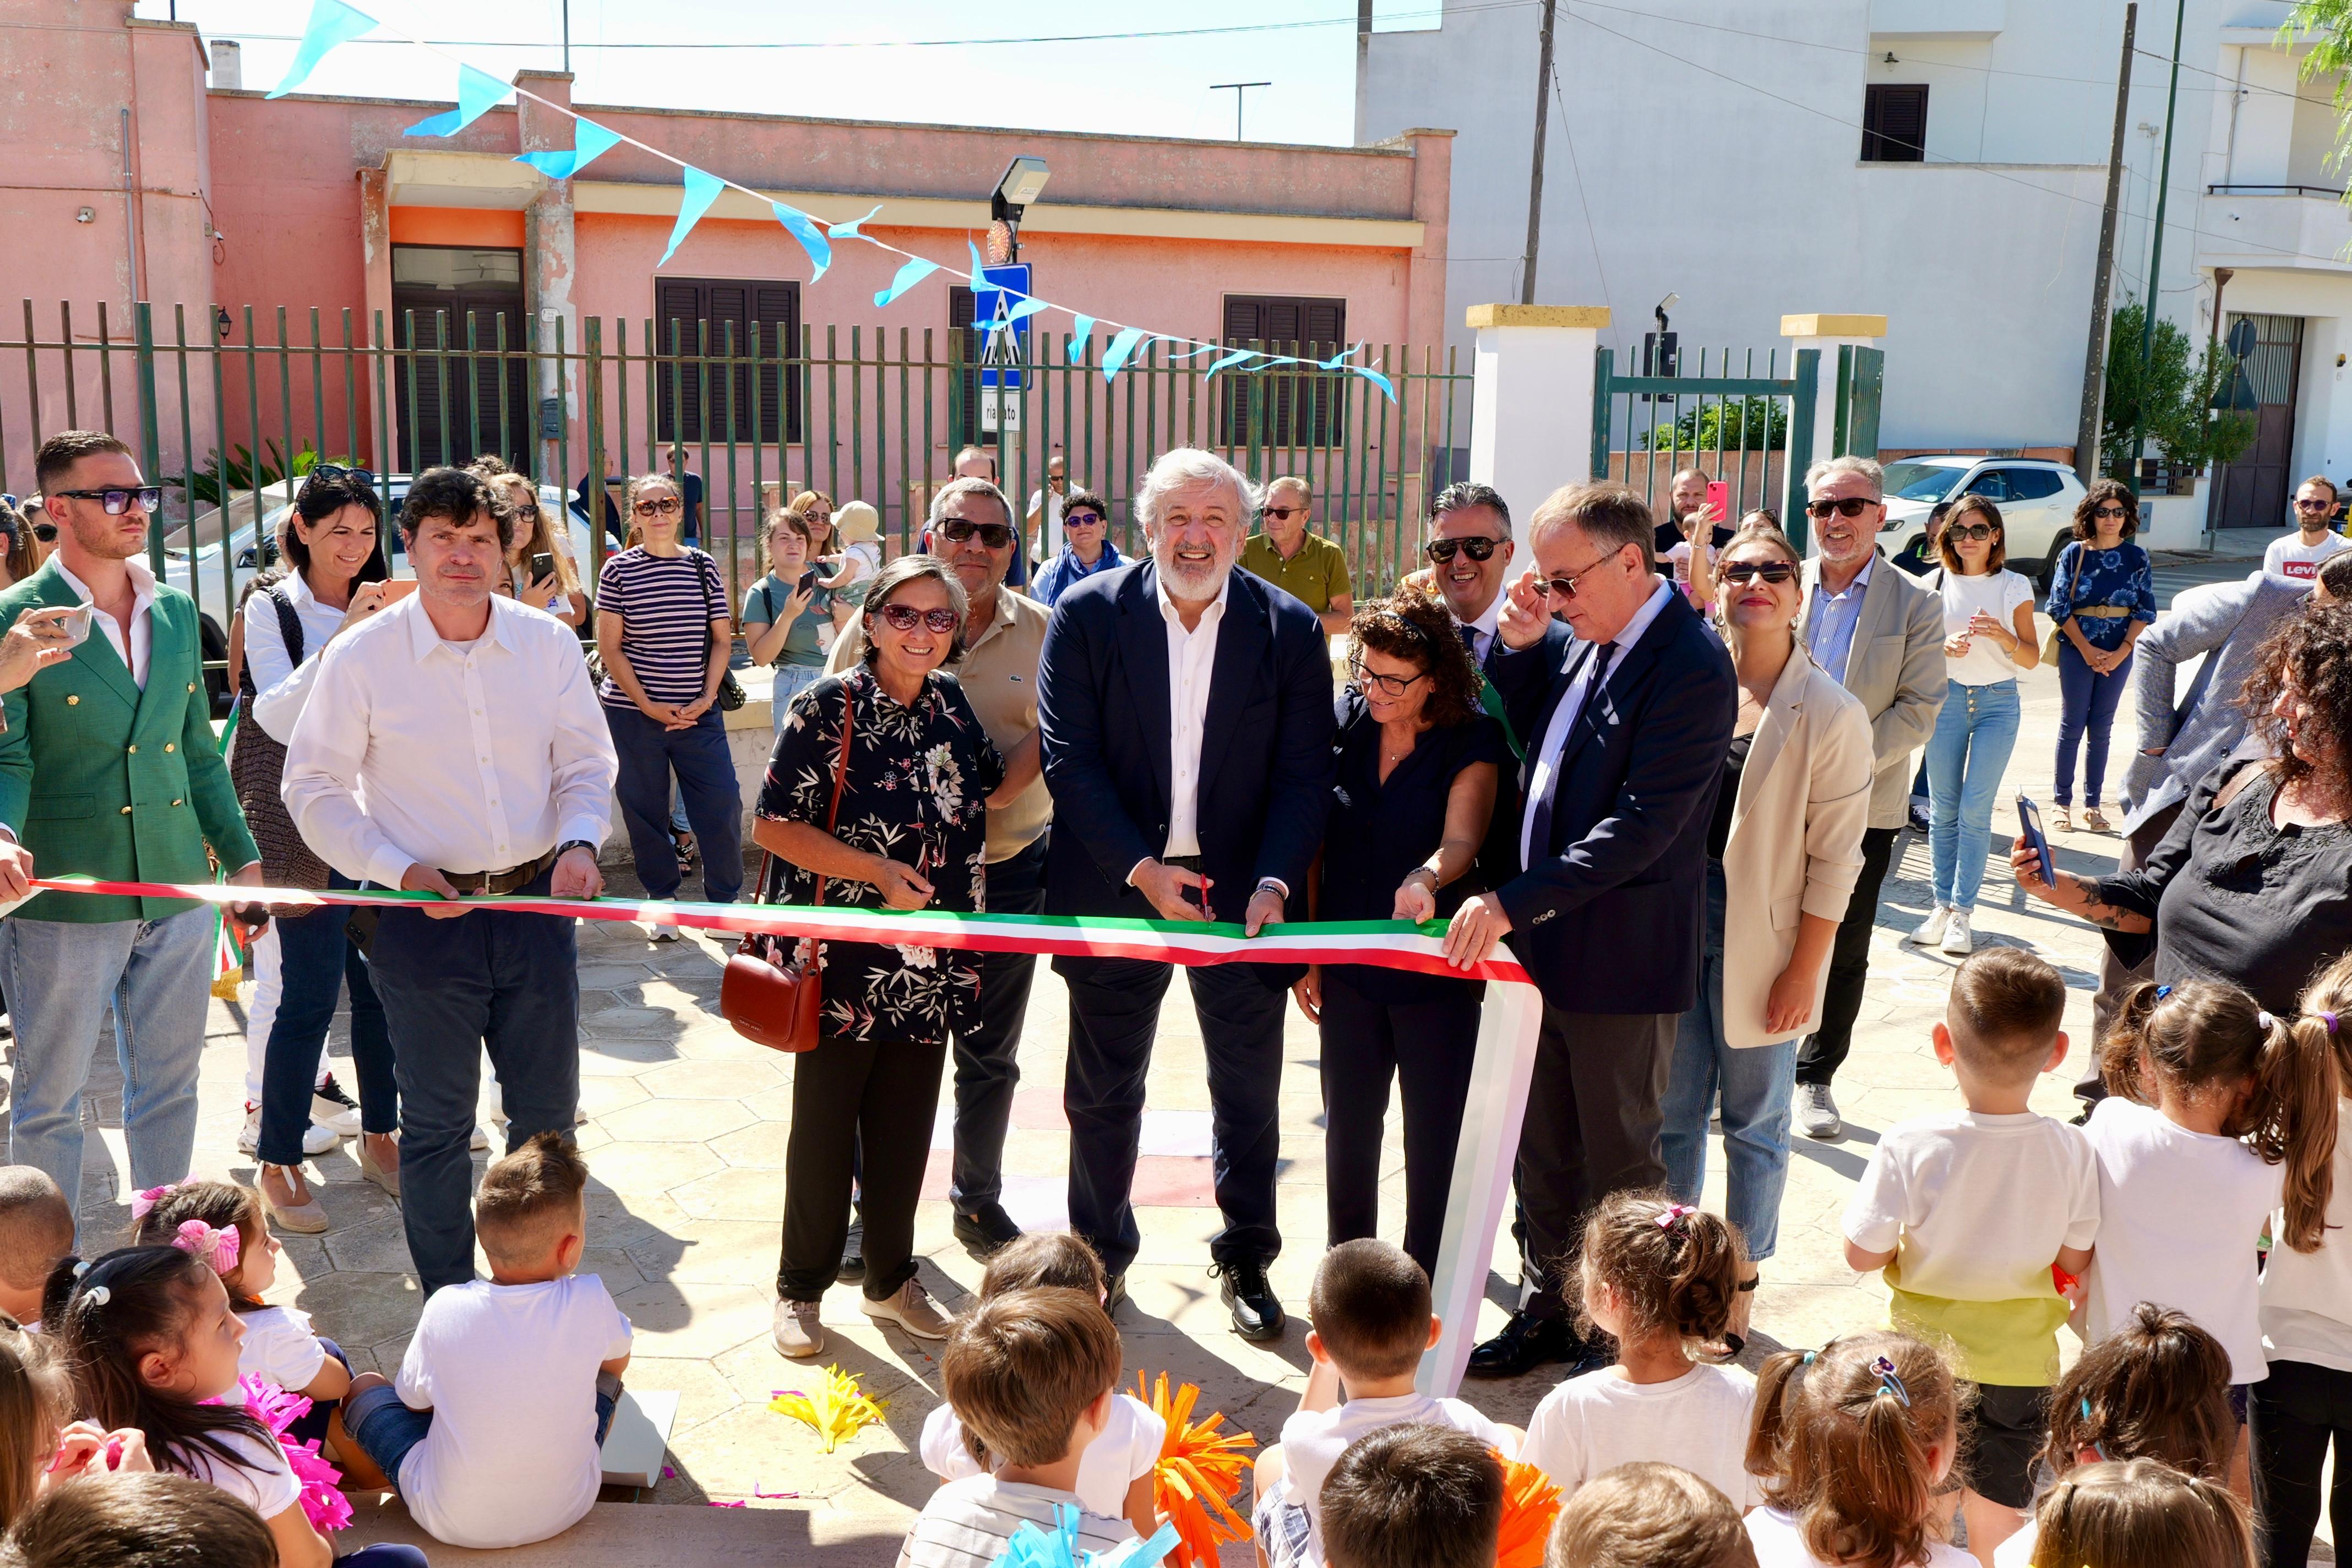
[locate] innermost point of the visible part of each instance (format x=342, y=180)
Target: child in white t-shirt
x=1115, y=1474
x=1649, y=1515
x=1370, y=1309
x=1967, y=1211
x=493, y=1432
x=1658, y=1278
x=1414, y=1496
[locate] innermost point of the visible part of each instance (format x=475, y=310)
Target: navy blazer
x=1103, y=723
x=1608, y=915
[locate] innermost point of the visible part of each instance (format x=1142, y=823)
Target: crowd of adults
x=1588, y=737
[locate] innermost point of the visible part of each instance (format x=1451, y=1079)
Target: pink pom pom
x=323, y=1503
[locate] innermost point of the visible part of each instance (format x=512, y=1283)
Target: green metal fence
x=1754, y=432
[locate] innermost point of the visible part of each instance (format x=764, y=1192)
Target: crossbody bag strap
x=840, y=772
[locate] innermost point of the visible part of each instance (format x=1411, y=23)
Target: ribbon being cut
x=1499, y=1080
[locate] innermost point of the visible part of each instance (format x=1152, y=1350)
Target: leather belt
x=2102, y=611
x=490, y=884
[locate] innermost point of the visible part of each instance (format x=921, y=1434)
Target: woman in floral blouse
x=910, y=833
x=2103, y=595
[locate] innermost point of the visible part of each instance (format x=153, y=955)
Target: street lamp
x=1023, y=181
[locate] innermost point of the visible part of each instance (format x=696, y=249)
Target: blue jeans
x=2089, y=707
x=386, y=1429
x=648, y=754
x=1975, y=733
x=790, y=680
x=60, y=977
x=1756, y=1082
x=315, y=959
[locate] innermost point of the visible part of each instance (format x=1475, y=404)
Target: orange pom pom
x=1200, y=1472
x=1530, y=1503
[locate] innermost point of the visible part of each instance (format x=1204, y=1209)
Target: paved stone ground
x=685, y=1127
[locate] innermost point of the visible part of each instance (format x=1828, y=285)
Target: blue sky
x=1139, y=86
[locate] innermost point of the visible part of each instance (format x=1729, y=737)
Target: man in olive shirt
x=971, y=526
x=1307, y=567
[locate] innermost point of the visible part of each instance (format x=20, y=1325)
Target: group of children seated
x=126, y=1400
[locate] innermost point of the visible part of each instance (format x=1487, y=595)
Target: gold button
x=170, y=747
x=192, y=686
x=73, y=702
x=126, y=811
x=132, y=748
x=176, y=802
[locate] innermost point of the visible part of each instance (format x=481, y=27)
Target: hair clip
x=144, y=1204
x=218, y=1249
x=81, y=1267
x=2329, y=1019
x=1809, y=1358
x=1674, y=1215
x=1890, y=1381
x=2162, y=992
x=97, y=1295
x=2264, y=1022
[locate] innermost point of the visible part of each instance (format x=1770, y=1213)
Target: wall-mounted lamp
x=86, y=214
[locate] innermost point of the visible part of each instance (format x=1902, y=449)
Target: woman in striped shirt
x=664, y=631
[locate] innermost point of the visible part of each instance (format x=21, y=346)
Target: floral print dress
x=2122, y=578
x=915, y=790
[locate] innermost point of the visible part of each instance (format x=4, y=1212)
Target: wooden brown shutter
x=1894, y=123
x=1291, y=406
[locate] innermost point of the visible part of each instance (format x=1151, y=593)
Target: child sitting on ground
x=491, y=1434
x=36, y=1228
x=41, y=1446
x=2142, y=1513
x=1370, y=1309
x=139, y=1522
x=1967, y=1210
x=1115, y=1473
x=1648, y=1515
x=1854, y=1444
x=1657, y=1276
x=2156, y=1388
x=1033, y=1374
x=1414, y=1496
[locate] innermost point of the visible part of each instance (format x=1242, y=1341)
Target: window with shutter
x=726, y=346
x=457, y=408
x=962, y=310
x=1289, y=406
x=1894, y=123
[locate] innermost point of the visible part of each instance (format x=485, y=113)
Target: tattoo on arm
x=2099, y=912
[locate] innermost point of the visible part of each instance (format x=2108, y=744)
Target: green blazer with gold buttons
x=100, y=779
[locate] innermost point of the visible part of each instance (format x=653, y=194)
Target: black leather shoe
x=987, y=1231
x=1525, y=1343
x=853, y=1254
x=1257, y=1314
x=1114, y=1295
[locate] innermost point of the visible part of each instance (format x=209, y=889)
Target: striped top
x=967, y=1523
x=666, y=603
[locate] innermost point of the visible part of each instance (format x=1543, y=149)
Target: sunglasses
x=1851, y=506
x=1441, y=550
x=1979, y=530
x=2300, y=505
x=1081, y=519
x=658, y=506
x=46, y=532
x=333, y=471
x=1285, y=513
x=1738, y=572
x=994, y=535
x=1565, y=587
x=905, y=617
x=147, y=497
x=2125, y=512
x=1387, y=684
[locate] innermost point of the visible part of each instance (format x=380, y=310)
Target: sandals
x=2062, y=819
x=2096, y=820
x=683, y=842
x=305, y=1218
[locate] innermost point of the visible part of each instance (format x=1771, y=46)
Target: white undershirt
x=142, y=636
x=1192, y=659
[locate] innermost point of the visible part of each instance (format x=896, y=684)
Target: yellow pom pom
x=837, y=1409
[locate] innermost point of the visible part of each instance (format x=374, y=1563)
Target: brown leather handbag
x=771, y=991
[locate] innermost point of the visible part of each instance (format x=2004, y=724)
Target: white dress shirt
x=462, y=757
x=1555, y=738
x=1191, y=658
x=142, y=633
x=281, y=686
x=1483, y=629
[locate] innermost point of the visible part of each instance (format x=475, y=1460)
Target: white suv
x=2037, y=500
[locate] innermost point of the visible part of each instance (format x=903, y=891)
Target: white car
x=2036, y=497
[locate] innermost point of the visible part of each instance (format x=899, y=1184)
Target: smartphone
x=2029, y=818
x=1719, y=499
x=807, y=584
x=542, y=566
x=76, y=625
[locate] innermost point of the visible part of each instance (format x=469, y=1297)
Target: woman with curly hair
x=2254, y=883
x=2101, y=597
x=1417, y=760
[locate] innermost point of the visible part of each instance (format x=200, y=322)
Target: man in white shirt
x=453, y=744
x=2297, y=557
x=1044, y=518
x=1186, y=708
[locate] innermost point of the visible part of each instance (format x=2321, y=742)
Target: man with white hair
x=1186, y=714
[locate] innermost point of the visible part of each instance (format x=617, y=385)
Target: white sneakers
x=795, y=1330
x=316, y=1138
x=1947, y=929
x=656, y=931
x=1957, y=940
x=1931, y=929
x=1816, y=1114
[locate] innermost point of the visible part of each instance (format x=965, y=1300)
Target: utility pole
x=1535, y=167
x=2155, y=252
x=567, y=37
x=2087, y=456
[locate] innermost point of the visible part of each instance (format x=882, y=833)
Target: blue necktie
x=1539, y=840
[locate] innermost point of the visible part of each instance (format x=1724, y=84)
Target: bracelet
x=1436, y=882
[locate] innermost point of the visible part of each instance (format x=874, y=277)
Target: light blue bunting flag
x=849, y=230
x=804, y=229
x=331, y=22
x=912, y=273
x=701, y=190
x=589, y=141
x=1236, y=357
x=1342, y=357
x=477, y=93
x=1081, y=329
x=1115, y=357
x=979, y=271
x=1388, y=387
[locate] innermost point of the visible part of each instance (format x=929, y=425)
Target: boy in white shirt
x=1968, y=1210
x=1370, y=1309
x=1033, y=1375
x=493, y=1431
x=1413, y=1497
x=36, y=1229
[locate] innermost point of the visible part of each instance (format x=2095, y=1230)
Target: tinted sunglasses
x=1441, y=550
x=333, y=471
x=2113, y=510
x=2300, y=505
x=1285, y=513
x=658, y=506
x=1740, y=572
x=1849, y=506
x=46, y=532
x=1971, y=530
x=904, y=617
x=995, y=535
x=149, y=498
x=1081, y=519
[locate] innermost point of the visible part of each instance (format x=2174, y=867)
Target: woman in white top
x=336, y=579
x=1988, y=639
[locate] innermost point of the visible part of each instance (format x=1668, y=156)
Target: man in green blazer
x=109, y=770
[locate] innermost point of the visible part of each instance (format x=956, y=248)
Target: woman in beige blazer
x=1784, y=850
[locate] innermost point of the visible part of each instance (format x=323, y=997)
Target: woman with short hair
x=2101, y=597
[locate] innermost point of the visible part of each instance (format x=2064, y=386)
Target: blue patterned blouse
x=2122, y=577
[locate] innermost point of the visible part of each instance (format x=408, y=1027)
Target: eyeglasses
x=147, y=497
x=995, y=535
x=1975, y=529
x=1285, y=513
x=1386, y=685
x=1849, y=506
x=2125, y=512
x=1441, y=550
x=1081, y=519
x=2300, y=505
x=1565, y=587
x=658, y=506
x=1738, y=572
x=904, y=617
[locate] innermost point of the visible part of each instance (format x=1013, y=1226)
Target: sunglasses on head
x=1850, y=506
x=1972, y=529
x=995, y=535
x=149, y=498
x=1738, y=572
x=1081, y=519
x=1441, y=550
x=658, y=506
x=905, y=617
x=330, y=472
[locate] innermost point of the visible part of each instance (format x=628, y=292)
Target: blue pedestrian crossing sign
x=1003, y=337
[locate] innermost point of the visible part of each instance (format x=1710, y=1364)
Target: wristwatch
x=569, y=844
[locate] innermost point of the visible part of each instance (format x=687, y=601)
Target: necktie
x=1539, y=840
x=1469, y=636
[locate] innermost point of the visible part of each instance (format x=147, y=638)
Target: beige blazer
x=1796, y=839
x=1896, y=668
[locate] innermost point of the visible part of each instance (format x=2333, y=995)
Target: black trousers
x=987, y=1064
x=848, y=1095
x=1592, y=1129
x=1426, y=1047
x=2116, y=977
x=1825, y=1050
x=2294, y=1415
x=1114, y=1017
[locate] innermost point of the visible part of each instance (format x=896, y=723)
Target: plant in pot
x=2178, y=387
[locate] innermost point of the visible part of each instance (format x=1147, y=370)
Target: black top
x=1666, y=535
x=914, y=790
x=1378, y=832
x=1719, y=829
x=2237, y=898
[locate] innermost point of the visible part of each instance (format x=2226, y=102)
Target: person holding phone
x=787, y=619
x=541, y=571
